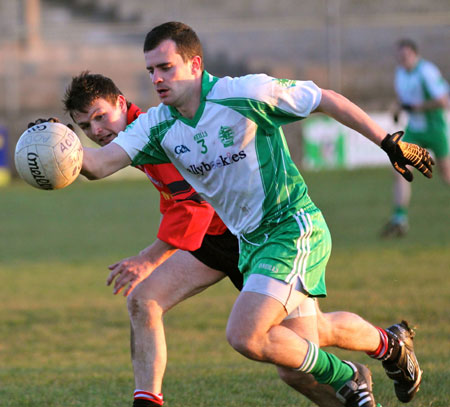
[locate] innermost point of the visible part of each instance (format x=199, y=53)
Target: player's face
x=407, y=58
x=103, y=120
x=172, y=77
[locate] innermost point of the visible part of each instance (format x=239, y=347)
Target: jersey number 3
x=202, y=143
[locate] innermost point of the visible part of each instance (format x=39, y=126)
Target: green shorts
x=295, y=250
x=435, y=140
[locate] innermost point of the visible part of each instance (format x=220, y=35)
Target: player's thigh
x=253, y=315
x=262, y=304
x=304, y=320
x=178, y=278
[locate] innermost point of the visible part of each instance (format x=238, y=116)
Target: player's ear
x=196, y=64
x=122, y=103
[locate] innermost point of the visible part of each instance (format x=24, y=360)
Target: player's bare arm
x=399, y=152
x=432, y=104
x=346, y=112
x=101, y=162
x=135, y=269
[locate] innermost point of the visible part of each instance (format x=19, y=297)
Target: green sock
x=400, y=214
x=325, y=367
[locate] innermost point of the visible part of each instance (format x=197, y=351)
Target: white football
x=49, y=156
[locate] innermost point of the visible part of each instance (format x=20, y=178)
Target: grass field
x=64, y=336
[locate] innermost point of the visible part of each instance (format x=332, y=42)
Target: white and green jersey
x=414, y=87
x=233, y=152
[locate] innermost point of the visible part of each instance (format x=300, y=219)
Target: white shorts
x=292, y=296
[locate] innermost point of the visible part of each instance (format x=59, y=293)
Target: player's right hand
x=402, y=154
x=130, y=271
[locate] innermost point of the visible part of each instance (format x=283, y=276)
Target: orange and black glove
x=402, y=154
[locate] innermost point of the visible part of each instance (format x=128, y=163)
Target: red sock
x=156, y=399
x=383, y=347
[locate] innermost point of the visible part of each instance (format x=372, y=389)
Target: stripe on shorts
x=303, y=246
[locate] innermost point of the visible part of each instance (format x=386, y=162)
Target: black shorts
x=221, y=252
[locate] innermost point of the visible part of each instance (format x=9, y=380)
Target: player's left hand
x=49, y=120
x=130, y=271
x=407, y=107
x=402, y=154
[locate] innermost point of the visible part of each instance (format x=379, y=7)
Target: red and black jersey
x=187, y=217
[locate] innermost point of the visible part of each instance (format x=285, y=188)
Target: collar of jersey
x=132, y=113
x=208, y=81
x=416, y=67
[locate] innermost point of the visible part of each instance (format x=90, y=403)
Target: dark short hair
x=408, y=43
x=185, y=38
x=86, y=88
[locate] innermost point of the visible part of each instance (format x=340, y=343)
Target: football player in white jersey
x=224, y=136
x=100, y=109
x=423, y=94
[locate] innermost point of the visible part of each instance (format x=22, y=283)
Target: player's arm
x=346, y=112
x=135, y=269
x=183, y=226
x=101, y=162
x=400, y=153
x=440, y=102
x=431, y=104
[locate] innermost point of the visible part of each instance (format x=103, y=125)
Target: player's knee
x=236, y=341
x=243, y=342
x=245, y=346
x=143, y=310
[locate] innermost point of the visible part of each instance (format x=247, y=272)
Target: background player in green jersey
x=423, y=94
x=254, y=327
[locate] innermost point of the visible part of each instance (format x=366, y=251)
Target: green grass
x=64, y=336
